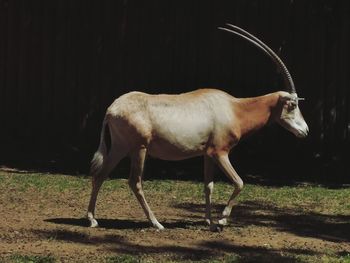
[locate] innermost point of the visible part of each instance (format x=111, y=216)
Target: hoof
x=158, y=226
x=223, y=222
x=93, y=222
x=220, y=228
x=207, y=221
x=216, y=228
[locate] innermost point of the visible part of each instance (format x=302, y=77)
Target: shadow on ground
x=198, y=250
x=297, y=222
x=123, y=223
x=204, y=250
x=335, y=228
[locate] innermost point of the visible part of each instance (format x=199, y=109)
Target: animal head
x=289, y=116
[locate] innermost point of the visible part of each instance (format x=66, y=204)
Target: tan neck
x=255, y=113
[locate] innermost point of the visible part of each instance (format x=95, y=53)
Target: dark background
x=63, y=62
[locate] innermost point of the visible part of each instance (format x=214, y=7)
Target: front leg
x=208, y=190
x=224, y=163
x=135, y=183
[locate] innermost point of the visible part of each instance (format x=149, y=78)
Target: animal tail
x=101, y=153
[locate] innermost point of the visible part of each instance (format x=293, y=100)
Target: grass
x=324, y=259
x=138, y=259
x=124, y=259
x=319, y=198
x=31, y=259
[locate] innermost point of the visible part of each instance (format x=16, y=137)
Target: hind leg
x=96, y=185
x=98, y=178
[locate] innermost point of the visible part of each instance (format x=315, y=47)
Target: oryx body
x=205, y=122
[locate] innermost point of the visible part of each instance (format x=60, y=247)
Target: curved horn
x=258, y=43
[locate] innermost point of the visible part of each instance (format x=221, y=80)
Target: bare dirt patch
x=51, y=222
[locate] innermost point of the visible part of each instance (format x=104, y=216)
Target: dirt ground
x=52, y=224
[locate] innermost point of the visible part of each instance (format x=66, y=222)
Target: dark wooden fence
x=63, y=62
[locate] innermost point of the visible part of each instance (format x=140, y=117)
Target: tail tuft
x=96, y=163
x=100, y=155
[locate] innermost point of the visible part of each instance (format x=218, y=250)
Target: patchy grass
x=41, y=182
x=138, y=259
x=31, y=259
x=226, y=259
x=124, y=259
x=304, y=197
x=330, y=258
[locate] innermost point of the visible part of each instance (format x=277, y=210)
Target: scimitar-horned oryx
x=204, y=122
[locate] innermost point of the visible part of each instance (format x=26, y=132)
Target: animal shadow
x=123, y=223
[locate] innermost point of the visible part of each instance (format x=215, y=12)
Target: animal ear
x=288, y=97
x=291, y=100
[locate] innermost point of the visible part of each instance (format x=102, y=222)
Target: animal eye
x=291, y=105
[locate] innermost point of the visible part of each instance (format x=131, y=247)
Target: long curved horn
x=258, y=43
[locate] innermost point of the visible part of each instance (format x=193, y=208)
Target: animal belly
x=179, y=134
x=175, y=150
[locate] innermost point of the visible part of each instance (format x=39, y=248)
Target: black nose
x=304, y=133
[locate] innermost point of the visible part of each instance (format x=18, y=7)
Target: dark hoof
x=216, y=228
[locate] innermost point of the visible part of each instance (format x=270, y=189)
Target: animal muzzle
x=302, y=131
